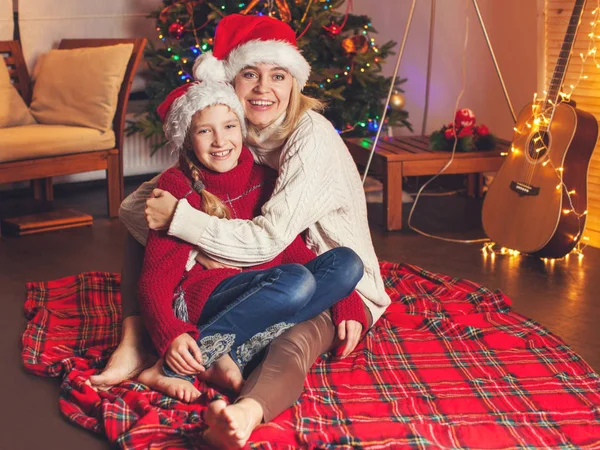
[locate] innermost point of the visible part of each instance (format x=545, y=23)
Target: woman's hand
x=184, y=356
x=349, y=331
x=209, y=263
x=160, y=208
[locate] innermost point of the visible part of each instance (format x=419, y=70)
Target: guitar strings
x=556, y=101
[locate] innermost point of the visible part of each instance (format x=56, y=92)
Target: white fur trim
x=196, y=98
x=280, y=53
x=208, y=68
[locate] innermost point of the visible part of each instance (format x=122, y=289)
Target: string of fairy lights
x=540, y=120
x=206, y=44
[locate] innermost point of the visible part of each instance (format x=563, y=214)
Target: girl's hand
x=349, y=331
x=160, y=208
x=208, y=263
x=184, y=356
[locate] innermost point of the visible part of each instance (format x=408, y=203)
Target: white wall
x=43, y=23
x=6, y=20
x=513, y=29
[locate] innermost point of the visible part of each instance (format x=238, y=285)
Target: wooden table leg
x=392, y=196
x=472, y=184
x=475, y=183
x=43, y=189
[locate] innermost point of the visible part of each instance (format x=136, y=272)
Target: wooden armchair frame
x=41, y=170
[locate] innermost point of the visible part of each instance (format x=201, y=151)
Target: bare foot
x=154, y=378
x=128, y=360
x=224, y=373
x=231, y=426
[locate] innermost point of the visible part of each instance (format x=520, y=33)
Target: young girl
x=219, y=319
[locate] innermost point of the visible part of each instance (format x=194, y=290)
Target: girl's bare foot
x=231, y=426
x=224, y=373
x=128, y=360
x=173, y=387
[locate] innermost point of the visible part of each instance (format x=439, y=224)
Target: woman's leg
x=131, y=356
x=275, y=384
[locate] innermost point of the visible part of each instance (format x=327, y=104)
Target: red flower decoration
x=466, y=131
x=449, y=133
x=482, y=130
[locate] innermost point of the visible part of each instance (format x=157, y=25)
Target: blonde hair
x=211, y=204
x=298, y=105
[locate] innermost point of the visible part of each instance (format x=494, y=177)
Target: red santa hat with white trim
x=177, y=110
x=241, y=41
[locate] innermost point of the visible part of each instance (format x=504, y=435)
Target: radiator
x=137, y=158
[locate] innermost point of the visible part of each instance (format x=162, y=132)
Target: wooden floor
x=563, y=296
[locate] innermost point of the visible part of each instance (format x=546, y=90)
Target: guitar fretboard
x=562, y=62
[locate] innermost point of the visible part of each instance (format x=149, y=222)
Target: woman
x=318, y=189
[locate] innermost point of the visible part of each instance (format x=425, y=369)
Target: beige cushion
x=80, y=87
x=13, y=110
x=39, y=141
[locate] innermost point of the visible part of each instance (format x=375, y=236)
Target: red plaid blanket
x=449, y=366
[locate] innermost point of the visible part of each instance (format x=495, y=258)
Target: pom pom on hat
x=208, y=68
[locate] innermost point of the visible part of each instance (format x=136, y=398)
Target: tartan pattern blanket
x=448, y=366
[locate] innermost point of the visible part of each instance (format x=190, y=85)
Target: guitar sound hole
x=538, y=145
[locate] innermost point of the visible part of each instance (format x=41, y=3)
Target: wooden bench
x=406, y=156
x=41, y=170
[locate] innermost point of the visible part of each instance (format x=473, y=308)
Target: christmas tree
x=346, y=61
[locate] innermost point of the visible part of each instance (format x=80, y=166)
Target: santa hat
x=242, y=41
x=177, y=110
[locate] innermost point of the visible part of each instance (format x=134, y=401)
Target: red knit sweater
x=244, y=190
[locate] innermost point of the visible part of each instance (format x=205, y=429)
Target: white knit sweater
x=318, y=189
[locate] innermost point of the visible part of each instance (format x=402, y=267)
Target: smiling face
x=264, y=91
x=216, y=138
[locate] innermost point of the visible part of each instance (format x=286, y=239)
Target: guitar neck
x=552, y=97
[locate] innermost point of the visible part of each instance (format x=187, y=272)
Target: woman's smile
x=260, y=105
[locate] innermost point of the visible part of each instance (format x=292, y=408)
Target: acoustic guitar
x=537, y=202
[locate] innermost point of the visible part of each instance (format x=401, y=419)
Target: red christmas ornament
x=176, y=30
x=464, y=118
x=333, y=29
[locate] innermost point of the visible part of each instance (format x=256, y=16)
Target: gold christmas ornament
x=355, y=44
x=397, y=101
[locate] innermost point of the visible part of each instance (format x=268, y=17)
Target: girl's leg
x=131, y=356
x=336, y=272
x=335, y=275
x=248, y=310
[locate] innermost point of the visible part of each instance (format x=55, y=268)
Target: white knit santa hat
x=177, y=110
x=241, y=41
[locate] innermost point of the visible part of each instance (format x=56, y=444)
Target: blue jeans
x=247, y=311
